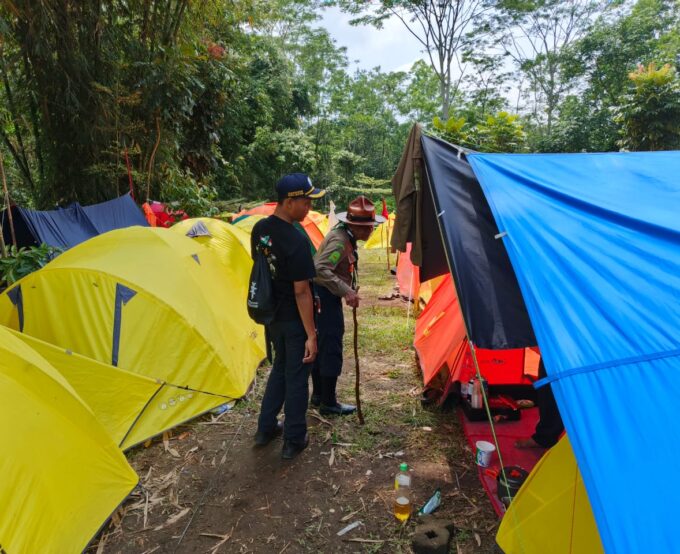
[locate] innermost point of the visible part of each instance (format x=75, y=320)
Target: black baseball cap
x=297, y=185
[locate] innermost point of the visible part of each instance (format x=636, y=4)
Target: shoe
x=292, y=449
x=315, y=400
x=338, y=409
x=263, y=438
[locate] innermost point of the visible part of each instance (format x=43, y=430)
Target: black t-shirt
x=294, y=262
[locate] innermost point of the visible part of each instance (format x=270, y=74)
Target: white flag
x=332, y=218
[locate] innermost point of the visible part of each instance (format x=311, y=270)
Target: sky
x=392, y=48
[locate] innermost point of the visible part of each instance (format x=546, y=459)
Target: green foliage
x=649, y=115
x=497, y=133
x=19, y=262
x=274, y=154
x=183, y=191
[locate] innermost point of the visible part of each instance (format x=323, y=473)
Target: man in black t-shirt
x=292, y=332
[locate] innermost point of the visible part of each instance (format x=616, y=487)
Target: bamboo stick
x=357, y=381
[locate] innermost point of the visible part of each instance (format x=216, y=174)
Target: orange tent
x=442, y=346
x=313, y=232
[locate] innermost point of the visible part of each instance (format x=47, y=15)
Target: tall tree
x=649, y=114
x=534, y=34
x=441, y=27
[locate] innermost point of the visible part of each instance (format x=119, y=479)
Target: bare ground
x=204, y=488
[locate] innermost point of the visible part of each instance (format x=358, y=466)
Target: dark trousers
x=287, y=385
x=330, y=324
x=549, y=426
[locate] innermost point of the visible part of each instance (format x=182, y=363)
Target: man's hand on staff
x=352, y=299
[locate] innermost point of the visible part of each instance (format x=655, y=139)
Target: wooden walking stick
x=357, y=381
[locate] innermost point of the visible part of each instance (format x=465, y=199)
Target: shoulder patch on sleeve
x=334, y=256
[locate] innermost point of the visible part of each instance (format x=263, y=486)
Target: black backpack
x=261, y=296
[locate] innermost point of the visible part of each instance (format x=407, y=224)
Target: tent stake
x=357, y=381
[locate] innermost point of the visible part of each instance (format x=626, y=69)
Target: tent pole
x=473, y=351
x=8, y=207
x=387, y=242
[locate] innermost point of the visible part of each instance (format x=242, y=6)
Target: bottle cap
x=403, y=466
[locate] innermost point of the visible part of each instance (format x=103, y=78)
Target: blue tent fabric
x=63, y=228
x=66, y=227
x=115, y=214
x=594, y=240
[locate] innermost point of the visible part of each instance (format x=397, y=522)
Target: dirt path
x=206, y=489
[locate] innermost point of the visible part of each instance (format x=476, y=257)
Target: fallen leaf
x=478, y=539
x=173, y=519
x=174, y=453
x=331, y=458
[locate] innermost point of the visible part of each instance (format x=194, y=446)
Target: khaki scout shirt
x=334, y=262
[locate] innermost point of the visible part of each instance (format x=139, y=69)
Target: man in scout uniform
x=292, y=332
x=336, y=266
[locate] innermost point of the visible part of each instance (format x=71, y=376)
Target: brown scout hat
x=361, y=211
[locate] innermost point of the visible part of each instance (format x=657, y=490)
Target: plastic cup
x=484, y=453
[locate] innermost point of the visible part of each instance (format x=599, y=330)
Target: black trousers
x=287, y=385
x=549, y=426
x=330, y=325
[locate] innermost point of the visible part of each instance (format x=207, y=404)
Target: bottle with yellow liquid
x=402, y=494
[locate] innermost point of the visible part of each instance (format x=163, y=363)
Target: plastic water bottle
x=477, y=401
x=402, y=493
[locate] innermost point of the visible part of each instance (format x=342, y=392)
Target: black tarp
x=66, y=227
x=488, y=291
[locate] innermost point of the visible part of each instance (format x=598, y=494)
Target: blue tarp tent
x=594, y=240
x=66, y=227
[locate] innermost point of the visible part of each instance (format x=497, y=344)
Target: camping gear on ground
x=154, y=303
x=66, y=227
x=402, y=493
x=484, y=453
x=62, y=475
x=502, y=408
x=432, y=503
x=509, y=481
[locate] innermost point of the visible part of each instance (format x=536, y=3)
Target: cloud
x=392, y=48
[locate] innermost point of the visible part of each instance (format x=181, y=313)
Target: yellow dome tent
x=62, y=475
x=320, y=220
x=130, y=407
x=221, y=237
x=381, y=236
x=246, y=224
x=551, y=512
x=152, y=302
x=229, y=243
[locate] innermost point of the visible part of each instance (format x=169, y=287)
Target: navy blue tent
x=66, y=227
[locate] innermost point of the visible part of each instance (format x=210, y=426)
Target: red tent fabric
x=443, y=348
x=159, y=214
x=313, y=232
x=408, y=275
